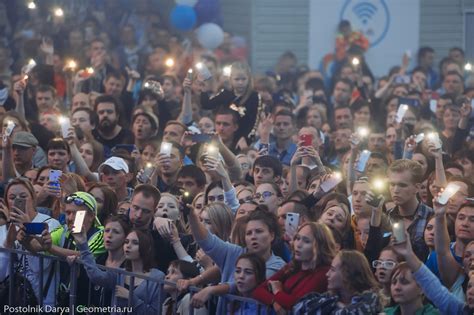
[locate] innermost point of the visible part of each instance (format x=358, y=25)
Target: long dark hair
x=259, y=267
x=110, y=201
x=147, y=255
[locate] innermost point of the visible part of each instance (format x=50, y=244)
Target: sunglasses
x=77, y=201
x=387, y=264
x=265, y=195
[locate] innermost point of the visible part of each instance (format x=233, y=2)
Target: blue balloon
x=183, y=17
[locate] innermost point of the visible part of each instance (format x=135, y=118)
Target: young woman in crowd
x=248, y=275
x=138, y=250
x=384, y=267
x=268, y=194
x=406, y=294
x=218, y=219
x=106, y=198
x=352, y=288
x=262, y=228
x=336, y=214
x=144, y=127
x=313, y=251
x=19, y=213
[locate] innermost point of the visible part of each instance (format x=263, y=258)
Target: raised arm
x=448, y=267
x=440, y=175
x=81, y=165
x=8, y=169
x=186, y=115
x=444, y=300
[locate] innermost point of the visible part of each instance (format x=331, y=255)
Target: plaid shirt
x=416, y=228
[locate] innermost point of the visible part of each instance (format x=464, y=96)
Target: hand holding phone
x=447, y=193
x=398, y=229
x=20, y=204
x=165, y=148
x=363, y=159
x=307, y=140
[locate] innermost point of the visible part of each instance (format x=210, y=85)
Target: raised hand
x=439, y=209
x=410, y=144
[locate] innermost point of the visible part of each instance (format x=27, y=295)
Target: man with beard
x=109, y=132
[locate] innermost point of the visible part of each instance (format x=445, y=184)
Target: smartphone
x=331, y=182
x=127, y=147
x=65, y=125
x=448, y=192
x=203, y=71
x=419, y=137
x=54, y=176
x=154, y=86
x=147, y=172
x=433, y=105
x=291, y=224
x=213, y=151
x=398, y=229
x=307, y=140
x=376, y=187
x=201, y=137
x=190, y=74
x=10, y=126
x=165, y=148
x=363, y=159
x=35, y=228
x=20, y=203
x=434, y=139
x=401, y=79
x=267, y=109
x=78, y=221
x=402, y=109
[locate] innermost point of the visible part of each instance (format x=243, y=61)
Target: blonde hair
x=180, y=223
x=221, y=218
x=243, y=66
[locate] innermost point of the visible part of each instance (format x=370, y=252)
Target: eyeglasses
x=387, y=264
x=215, y=198
x=265, y=195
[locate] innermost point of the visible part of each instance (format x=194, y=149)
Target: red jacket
x=294, y=287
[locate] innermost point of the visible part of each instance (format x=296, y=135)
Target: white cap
x=116, y=163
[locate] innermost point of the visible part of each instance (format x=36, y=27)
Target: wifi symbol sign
x=371, y=17
x=364, y=11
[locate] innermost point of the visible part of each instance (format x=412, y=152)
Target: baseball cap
x=24, y=139
x=116, y=163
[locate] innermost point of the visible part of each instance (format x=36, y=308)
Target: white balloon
x=191, y=3
x=210, y=35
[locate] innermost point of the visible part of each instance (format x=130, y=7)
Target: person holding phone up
x=83, y=205
x=28, y=226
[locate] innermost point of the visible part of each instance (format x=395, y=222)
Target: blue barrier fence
x=15, y=285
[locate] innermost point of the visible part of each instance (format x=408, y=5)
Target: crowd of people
x=129, y=146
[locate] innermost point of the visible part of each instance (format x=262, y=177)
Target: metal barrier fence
x=74, y=308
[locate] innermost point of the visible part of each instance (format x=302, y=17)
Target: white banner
x=392, y=27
